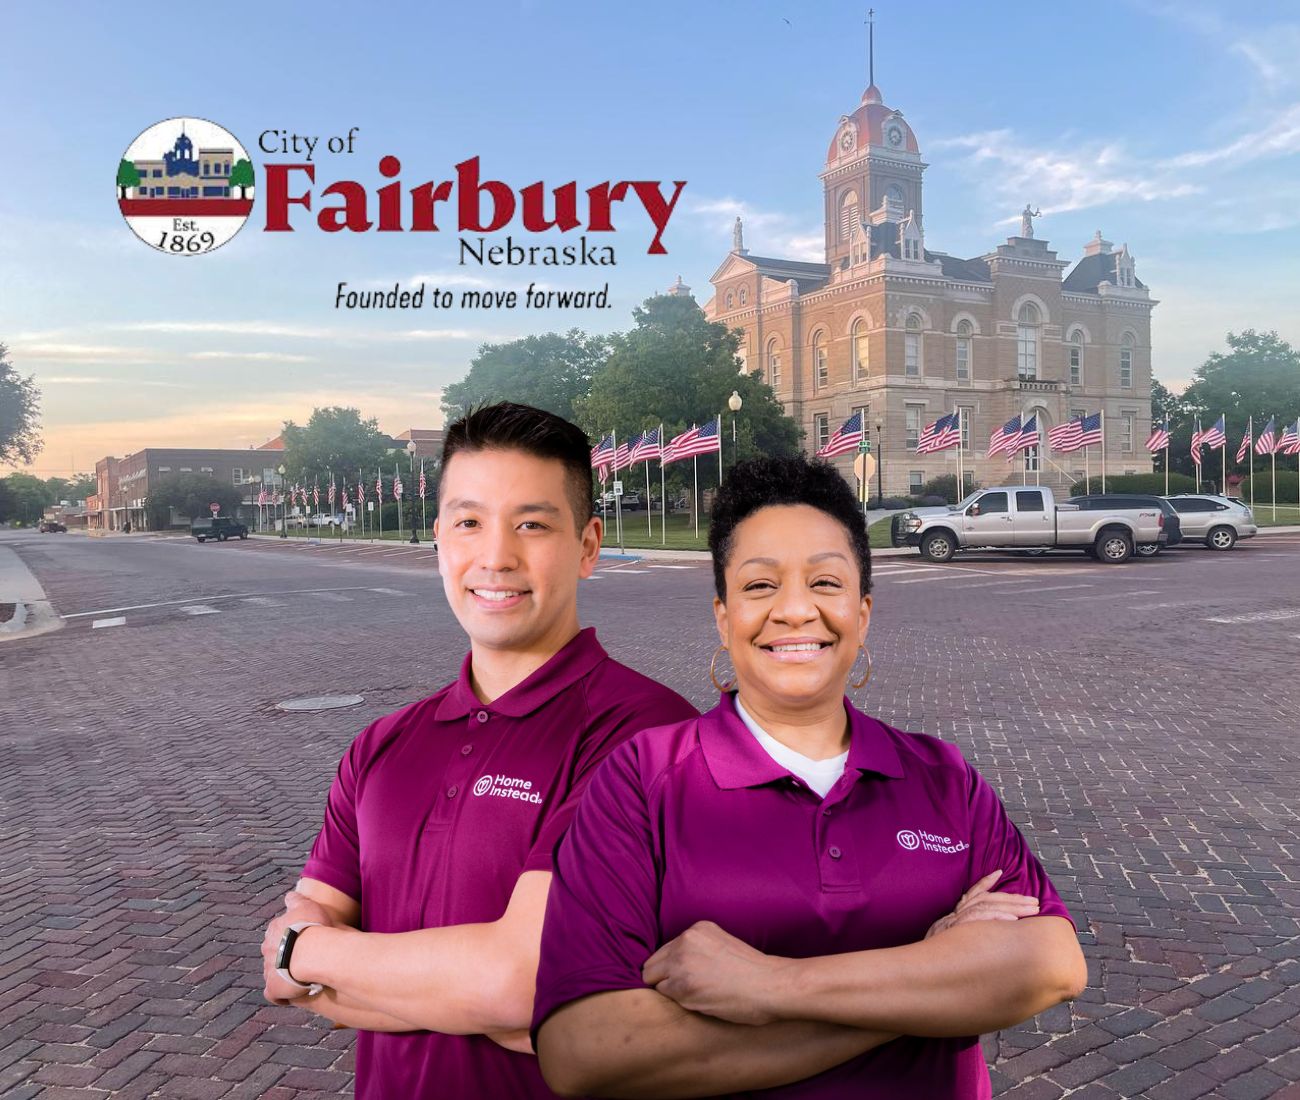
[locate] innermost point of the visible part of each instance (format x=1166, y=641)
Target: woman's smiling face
x=794, y=613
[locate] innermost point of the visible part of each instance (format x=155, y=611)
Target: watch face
x=285, y=950
x=846, y=140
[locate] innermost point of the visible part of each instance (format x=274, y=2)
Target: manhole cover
x=320, y=702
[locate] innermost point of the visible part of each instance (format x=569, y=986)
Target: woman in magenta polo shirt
x=786, y=893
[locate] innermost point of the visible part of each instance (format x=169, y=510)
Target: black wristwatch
x=285, y=952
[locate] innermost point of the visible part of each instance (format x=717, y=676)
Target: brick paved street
x=1139, y=722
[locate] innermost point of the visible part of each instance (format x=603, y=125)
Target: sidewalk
x=18, y=586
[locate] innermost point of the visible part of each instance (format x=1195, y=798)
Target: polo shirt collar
x=736, y=759
x=574, y=660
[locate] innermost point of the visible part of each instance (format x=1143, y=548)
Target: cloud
x=95, y=380
x=1280, y=137
x=298, y=332
x=265, y=356
x=1060, y=178
x=766, y=232
x=78, y=352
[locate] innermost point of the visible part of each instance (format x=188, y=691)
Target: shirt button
x=835, y=853
x=465, y=750
x=482, y=716
x=826, y=812
x=451, y=791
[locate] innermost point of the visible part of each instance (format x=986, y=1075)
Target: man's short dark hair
x=764, y=482
x=507, y=426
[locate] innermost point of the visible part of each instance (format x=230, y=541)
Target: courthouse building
x=889, y=326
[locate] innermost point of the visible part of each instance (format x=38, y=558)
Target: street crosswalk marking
x=1276, y=615
x=332, y=597
x=101, y=623
x=390, y=591
x=1114, y=595
x=264, y=601
x=199, y=609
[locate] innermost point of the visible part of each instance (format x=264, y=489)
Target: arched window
x=861, y=351
x=1076, y=357
x=731, y=300
x=848, y=214
x=1032, y=454
x=965, y=341
x=1126, y=361
x=912, y=346
x=821, y=366
x=773, y=365
x=1027, y=342
x=743, y=295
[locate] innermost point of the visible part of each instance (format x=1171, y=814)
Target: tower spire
x=871, y=47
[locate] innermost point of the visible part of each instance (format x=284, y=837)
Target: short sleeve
x=635, y=715
x=336, y=855
x=602, y=912
x=998, y=844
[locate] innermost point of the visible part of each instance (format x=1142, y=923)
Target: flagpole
x=695, y=500
x=663, y=495
x=720, y=450
x=1223, y=463
x=1197, y=448
x=379, y=500
x=1087, y=476
x=1166, y=456
x=618, y=498
x=424, y=511
x=1101, y=420
x=1273, y=458
x=1250, y=462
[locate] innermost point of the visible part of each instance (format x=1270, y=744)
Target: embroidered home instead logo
x=185, y=186
x=930, y=842
x=506, y=786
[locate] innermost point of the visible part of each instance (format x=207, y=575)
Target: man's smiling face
x=510, y=551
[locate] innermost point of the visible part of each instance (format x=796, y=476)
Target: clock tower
x=872, y=175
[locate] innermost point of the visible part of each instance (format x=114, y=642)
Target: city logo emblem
x=185, y=186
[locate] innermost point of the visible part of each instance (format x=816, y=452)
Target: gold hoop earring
x=867, y=675
x=713, y=670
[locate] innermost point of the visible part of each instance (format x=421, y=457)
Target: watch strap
x=284, y=957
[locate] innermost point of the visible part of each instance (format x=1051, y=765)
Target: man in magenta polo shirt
x=418, y=916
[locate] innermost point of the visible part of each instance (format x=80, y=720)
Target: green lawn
x=331, y=534
x=1287, y=514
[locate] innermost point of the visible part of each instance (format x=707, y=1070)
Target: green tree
x=127, y=176
x=20, y=405
x=678, y=368
x=28, y=498
x=82, y=486
x=190, y=495
x=1256, y=378
x=333, y=439
x=241, y=176
x=550, y=371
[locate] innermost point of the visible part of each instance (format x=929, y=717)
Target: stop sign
x=215, y=508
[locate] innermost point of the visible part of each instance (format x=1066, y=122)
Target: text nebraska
x=547, y=255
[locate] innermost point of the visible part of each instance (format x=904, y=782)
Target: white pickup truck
x=1026, y=517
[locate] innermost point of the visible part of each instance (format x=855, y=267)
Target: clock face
x=846, y=140
x=895, y=135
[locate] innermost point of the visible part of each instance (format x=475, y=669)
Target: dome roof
x=869, y=120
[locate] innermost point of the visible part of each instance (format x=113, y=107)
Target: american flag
x=361, y=489
x=422, y=485
x=1289, y=444
x=706, y=441
x=1028, y=437
x=1214, y=436
x=646, y=448
x=673, y=448
x=1266, y=444
x=261, y=497
x=601, y=456
x=620, y=456
x=1073, y=435
x=1001, y=440
x=846, y=438
x=942, y=434
x=379, y=486
x=1159, y=437
x=397, y=484
x=343, y=493
x=1196, y=443
x=1244, y=449
x=331, y=494
x=315, y=494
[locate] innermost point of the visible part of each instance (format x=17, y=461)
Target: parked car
x=220, y=528
x=1214, y=520
x=52, y=526
x=1021, y=517
x=1102, y=501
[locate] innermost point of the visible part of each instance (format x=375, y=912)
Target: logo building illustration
x=185, y=186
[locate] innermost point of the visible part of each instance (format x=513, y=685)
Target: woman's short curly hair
x=764, y=482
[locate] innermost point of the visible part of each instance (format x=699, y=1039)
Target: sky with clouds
x=1174, y=127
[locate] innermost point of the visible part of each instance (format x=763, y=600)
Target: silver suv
x=1217, y=521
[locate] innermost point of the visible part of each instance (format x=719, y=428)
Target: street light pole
x=284, y=508
x=410, y=450
x=733, y=403
x=880, y=465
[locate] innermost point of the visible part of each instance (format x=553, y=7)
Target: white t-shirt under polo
x=820, y=775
